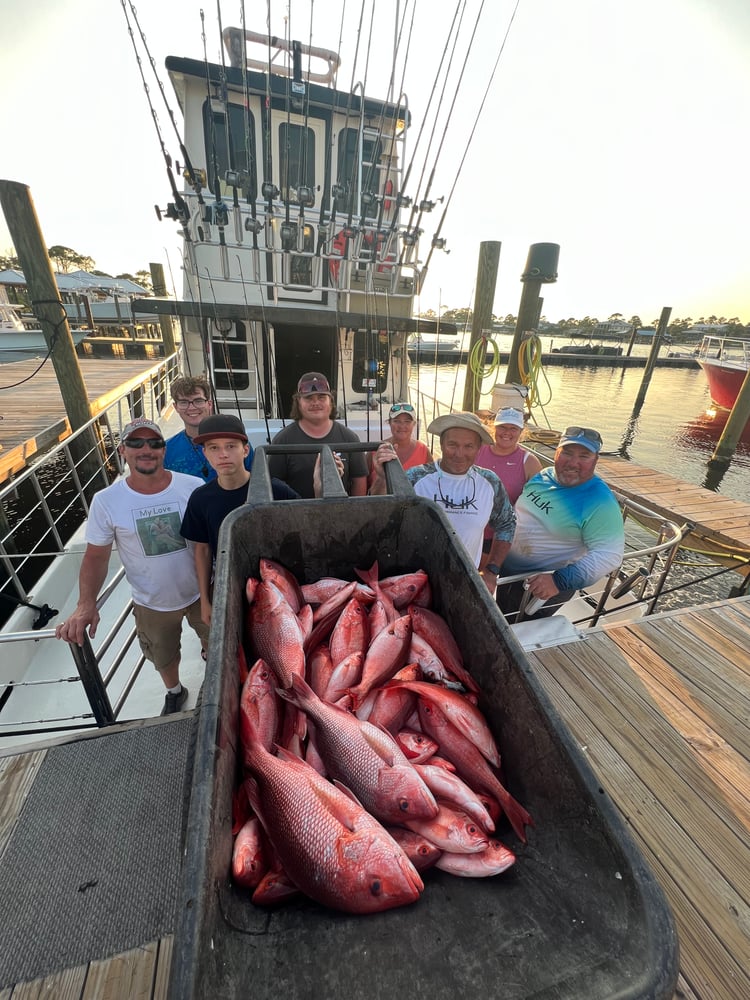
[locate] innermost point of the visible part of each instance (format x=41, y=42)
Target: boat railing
x=40, y=512
x=732, y=351
x=644, y=570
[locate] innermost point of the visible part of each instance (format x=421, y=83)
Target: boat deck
x=33, y=411
x=660, y=709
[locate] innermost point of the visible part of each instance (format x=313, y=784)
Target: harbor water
x=675, y=432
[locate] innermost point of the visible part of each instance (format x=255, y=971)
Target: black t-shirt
x=297, y=470
x=210, y=504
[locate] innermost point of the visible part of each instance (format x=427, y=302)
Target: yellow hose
x=532, y=373
x=479, y=367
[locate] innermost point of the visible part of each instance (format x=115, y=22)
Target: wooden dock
x=32, y=407
x=660, y=709
x=723, y=523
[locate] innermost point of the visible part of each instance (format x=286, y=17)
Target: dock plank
x=33, y=410
x=660, y=708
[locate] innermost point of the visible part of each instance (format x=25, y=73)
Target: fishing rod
x=220, y=213
x=437, y=242
x=194, y=178
x=233, y=178
x=253, y=225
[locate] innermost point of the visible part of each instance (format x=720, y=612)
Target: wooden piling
x=541, y=268
x=651, y=362
x=481, y=322
x=26, y=234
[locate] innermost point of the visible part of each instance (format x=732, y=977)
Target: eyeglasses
x=185, y=404
x=587, y=432
x=155, y=444
x=401, y=408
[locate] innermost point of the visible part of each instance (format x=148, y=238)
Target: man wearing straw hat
x=472, y=498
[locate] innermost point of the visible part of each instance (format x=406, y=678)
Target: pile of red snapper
x=365, y=758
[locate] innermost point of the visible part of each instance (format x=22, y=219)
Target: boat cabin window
x=348, y=172
x=297, y=161
x=235, y=134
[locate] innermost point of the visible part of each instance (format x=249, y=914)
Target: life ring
x=339, y=249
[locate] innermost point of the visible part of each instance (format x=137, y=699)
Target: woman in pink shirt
x=512, y=464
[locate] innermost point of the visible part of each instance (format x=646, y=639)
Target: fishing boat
x=725, y=362
x=17, y=342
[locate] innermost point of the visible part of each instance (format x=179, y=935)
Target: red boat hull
x=724, y=382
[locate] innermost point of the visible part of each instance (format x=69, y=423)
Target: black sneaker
x=174, y=702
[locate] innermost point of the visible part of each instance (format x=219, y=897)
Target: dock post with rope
x=489, y=258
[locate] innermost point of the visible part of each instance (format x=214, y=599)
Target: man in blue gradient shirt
x=569, y=530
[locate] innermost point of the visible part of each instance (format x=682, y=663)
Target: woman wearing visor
x=410, y=452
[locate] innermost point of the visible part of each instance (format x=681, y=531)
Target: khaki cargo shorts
x=159, y=632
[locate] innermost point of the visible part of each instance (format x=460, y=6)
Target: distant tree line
x=64, y=260
x=573, y=327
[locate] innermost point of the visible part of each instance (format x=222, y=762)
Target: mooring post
x=29, y=244
x=651, y=360
x=481, y=320
x=541, y=268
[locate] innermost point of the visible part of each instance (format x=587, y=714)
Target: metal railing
x=40, y=511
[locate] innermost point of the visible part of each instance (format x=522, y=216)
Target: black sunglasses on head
x=154, y=443
x=585, y=432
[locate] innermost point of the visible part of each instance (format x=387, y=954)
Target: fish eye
x=471, y=828
x=376, y=887
x=403, y=805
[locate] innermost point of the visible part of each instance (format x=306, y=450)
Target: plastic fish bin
x=579, y=915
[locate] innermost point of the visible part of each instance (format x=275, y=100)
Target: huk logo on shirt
x=544, y=505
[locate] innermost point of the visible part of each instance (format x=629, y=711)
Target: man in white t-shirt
x=473, y=498
x=142, y=514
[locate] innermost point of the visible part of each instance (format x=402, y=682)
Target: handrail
x=58, y=496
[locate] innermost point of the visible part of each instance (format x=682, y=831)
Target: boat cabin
x=296, y=255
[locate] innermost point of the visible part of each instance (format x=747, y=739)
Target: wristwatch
x=493, y=568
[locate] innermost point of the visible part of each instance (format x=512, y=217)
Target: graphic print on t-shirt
x=159, y=529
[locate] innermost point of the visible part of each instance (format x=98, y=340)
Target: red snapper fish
x=417, y=848
x=276, y=633
x=451, y=830
x=417, y=747
x=434, y=630
x=465, y=716
x=259, y=707
x=405, y=587
x=329, y=846
x=386, y=655
x=249, y=863
x=351, y=633
x=448, y=787
x=327, y=586
x=471, y=765
x=283, y=580
x=493, y=860
x=364, y=758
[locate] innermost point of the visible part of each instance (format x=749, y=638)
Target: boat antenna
x=437, y=243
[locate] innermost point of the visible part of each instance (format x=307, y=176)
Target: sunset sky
x=616, y=130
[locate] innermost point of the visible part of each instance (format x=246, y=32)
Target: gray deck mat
x=92, y=866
